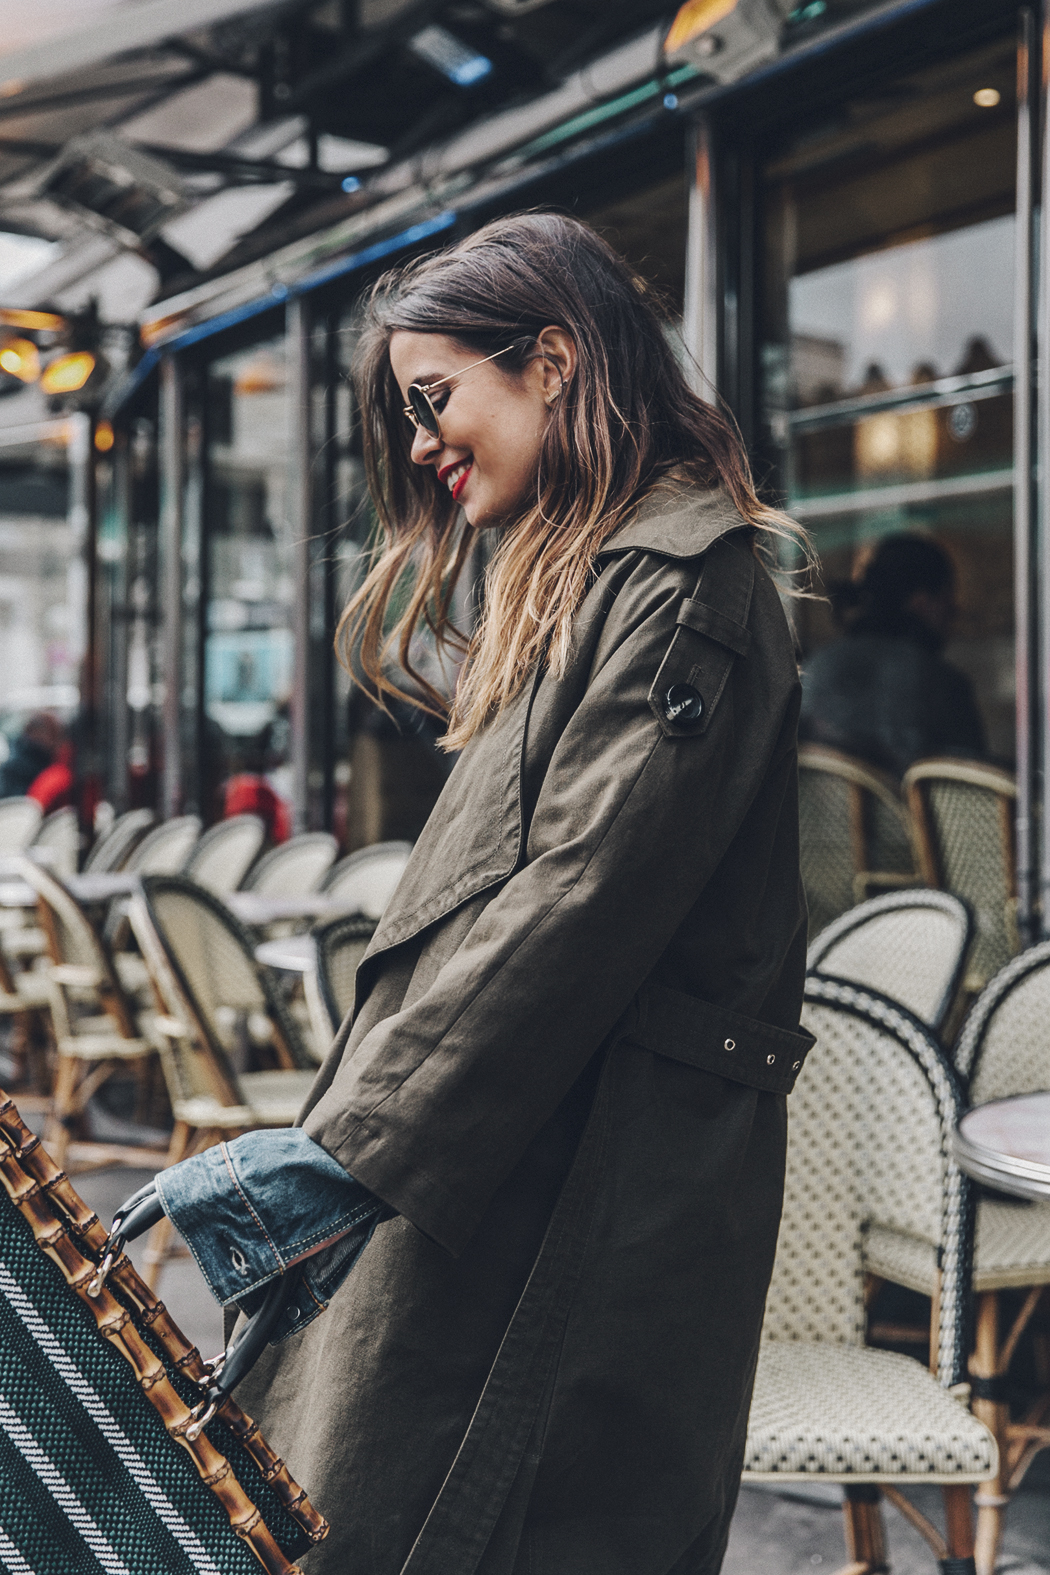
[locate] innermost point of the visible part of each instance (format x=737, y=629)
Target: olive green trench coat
x=566, y=1069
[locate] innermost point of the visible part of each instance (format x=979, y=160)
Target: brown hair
x=625, y=419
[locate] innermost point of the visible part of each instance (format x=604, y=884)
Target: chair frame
x=172, y=989
x=893, y=902
x=119, y=841
x=1019, y=1442
x=863, y=778
x=354, y=926
x=72, y=1091
x=949, y=1312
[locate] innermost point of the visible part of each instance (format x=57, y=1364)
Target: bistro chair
x=1004, y=1049
x=826, y=1406
x=19, y=819
x=95, y=1027
x=341, y=944
x=114, y=846
x=225, y=853
x=294, y=868
x=25, y=1000
x=207, y=987
x=854, y=831
x=364, y=881
x=165, y=849
x=908, y=945
x=59, y=834
x=963, y=812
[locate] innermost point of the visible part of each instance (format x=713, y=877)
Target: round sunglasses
x=421, y=410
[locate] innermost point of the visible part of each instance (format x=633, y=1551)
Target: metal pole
x=1026, y=611
x=297, y=330
x=700, y=314
x=172, y=490
x=83, y=520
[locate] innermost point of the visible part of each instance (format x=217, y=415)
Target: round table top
x=293, y=953
x=253, y=907
x=1006, y=1144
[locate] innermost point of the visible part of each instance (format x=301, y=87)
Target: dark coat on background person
x=889, y=699
x=566, y=1071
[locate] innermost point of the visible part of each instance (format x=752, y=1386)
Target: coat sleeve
x=439, y=1101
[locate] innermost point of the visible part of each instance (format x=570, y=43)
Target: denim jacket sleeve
x=249, y=1208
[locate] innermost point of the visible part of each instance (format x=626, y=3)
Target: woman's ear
x=556, y=361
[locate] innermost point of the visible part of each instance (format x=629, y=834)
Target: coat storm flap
x=566, y=1070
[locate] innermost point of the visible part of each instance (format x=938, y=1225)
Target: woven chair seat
x=102, y=1047
x=274, y=1100
x=27, y=940
x=31, y=989
x=857, y=1415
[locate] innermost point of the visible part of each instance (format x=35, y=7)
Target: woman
x=575, y=1026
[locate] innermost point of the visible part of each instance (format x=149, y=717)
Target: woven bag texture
x=90, y=1481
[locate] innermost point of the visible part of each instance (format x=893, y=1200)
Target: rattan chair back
x=165, y=849
x=341, y=944
x=854, y=833
x=76, y=951
x=869, y=1149
x=908, y=945
x=225, y=853
x=294, y=868
x=212, y=954
x=364, y=882
x=1004, y=1046
x=114, y=846
x=19, y=820
x=59, y=834
x=963, y=812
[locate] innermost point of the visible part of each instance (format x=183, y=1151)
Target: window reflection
x=887, y=355
x=248, y=645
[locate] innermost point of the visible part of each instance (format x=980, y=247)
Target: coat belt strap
x=684, y=1028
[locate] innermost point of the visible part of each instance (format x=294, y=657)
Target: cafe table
x=1006, y=1144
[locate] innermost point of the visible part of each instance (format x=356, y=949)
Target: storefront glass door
x=888, y=335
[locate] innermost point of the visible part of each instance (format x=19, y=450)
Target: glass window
x=43, y=600
x=888, y=341
x=249, y=589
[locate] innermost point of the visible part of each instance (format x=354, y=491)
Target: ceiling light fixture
x=987, y=98
x=35, y=322
x=20, y=358
x=67, y=374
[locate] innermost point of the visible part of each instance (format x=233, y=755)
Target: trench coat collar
x=677, y=519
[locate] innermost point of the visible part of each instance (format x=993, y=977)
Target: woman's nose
x=424, y=446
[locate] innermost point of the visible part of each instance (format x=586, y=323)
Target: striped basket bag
x=109, y=1464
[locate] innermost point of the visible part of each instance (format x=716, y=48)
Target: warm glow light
x=68, y=373
x=694, y=18
x=987, y=98
x=104, y=438
x=41, y=322
x=21, y=359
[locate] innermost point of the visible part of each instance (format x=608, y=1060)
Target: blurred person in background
x=247, y=791
x=40, y=764
x=883, y=692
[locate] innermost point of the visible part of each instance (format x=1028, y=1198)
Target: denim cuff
x=247, y=1208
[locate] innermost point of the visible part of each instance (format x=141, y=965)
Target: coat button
x=683, y=705
x=795, y=1065
x=730, y=1044
x=770, y=1059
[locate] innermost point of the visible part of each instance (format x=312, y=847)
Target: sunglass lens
x=424, y=410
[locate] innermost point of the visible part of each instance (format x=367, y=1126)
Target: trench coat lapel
x=476, y=836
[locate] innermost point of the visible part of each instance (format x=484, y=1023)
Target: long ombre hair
x=626, y=419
